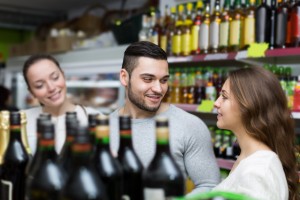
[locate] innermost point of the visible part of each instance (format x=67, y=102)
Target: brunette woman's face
x=229, y=115
x=47, y=83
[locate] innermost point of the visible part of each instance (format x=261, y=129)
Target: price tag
x=206, y=106
x=257, y=49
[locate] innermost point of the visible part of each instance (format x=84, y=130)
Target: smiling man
x=144, y=75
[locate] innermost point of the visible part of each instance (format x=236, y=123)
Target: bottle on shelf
x=199, y=87
x=184, y=85
x=296, y=104
x=249, y=24
x=224, y=27
x=195, y=30
x=108, y=167
x=191, y=85
x=171, y=31
x=48, y=176
x=176, y=91
x=143, y=34
x=273, y=24
x=162, y=178
x=186, y=31
x=15, y=161
x=235, y=27
x=282, y=23
x=204, y=29
x=262, y=23
x=131, y=165
x=295, y=25
x=166, y=22
x=176, y=39
x=84, y=181
x=288, y=39
x=214, y=29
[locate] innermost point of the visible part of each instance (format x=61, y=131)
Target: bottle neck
x=47, y=149
x=15, y=133
x=125, y=139
x=81, y=154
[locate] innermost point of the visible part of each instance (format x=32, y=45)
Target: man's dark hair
x=141, y=49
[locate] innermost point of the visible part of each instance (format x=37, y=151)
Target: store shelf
x=225, y=163
x=93, y=84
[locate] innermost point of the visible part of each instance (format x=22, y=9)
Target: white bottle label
x=6, y=190
x=154, y=193
x=214, y=35
x=204, y=36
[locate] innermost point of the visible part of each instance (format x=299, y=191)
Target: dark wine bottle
x=84, y=182
x=282, y=24
x=64, y=158
x=162, y=178
x=47, y=176
x=131, y=165
x=262, y=23
x=108, y=167
x=295, y=25
x=273, y=17
x=15, y=161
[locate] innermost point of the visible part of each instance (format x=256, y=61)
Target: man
x=144, y=75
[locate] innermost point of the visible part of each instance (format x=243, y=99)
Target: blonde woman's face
x=229, y=115
x=47, y=83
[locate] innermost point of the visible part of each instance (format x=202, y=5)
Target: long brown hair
x=266, y=117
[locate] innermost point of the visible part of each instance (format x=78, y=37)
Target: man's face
x=148, y=84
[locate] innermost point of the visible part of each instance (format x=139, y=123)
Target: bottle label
x=163, y=42
x=295, y=25
x=176, y=44
x=214, y=35
x=6, y=190
x=195, y=37
x=235, y=29
x=249, y=30
x=186, y=44
x=204, y=36
x=224, y=34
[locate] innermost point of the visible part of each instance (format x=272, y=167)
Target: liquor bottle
x=224, y=27
x=4, y=133
x=143, y=33
x=235, y=27
x=131, y=165
x=204, y=29
x=176, y=39
x=191, y=85
x=262, y=23
x=108, y=167
x=214, y=28
x=64, y=158
x=249, y=24
x=24, y=133
x=186, y=31
x=282, y=24
x=200, y=87
x=273, y=16
x=15, y=161
x=33, y=163
x=184, y=86
x=155, y=28
x=295, y=24
x=163, y=37
x=47, y=176
x=176, y=91
x=195, y=30
x=162, y=178
x=171, y=31
x=84, y=181
x=288, y=39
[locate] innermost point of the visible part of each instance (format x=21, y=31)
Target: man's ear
x=124, y=77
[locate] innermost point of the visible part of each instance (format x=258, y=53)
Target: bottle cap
x=125, y=122
x=14, y=118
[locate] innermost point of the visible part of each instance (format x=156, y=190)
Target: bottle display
x=163, y=179
x=131, y=165
x=214, y=28
x=262, y=23
x=15, y=161
x=108, y=166
x=204, y=29
x=84, y=181
x=47, y=176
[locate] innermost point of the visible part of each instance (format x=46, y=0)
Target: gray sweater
x=190, y=143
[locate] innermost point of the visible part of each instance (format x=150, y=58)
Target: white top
x=260, y=176
x=59, y=122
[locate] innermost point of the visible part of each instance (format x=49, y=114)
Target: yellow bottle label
x=235, y=30
x=195, y=37
x=224, y=33
x=204, y=36
x=249, y=32
x=176, y=44
x=186, y=44
x=163, y=42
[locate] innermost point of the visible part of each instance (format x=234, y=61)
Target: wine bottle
x=282, y=24
x=15, y=161
x=47, y=176
x=131, y=165
x=4, y=133
x=108, y=167
x=163, y=179
x=273, y=24
x=262, y=23
x=84, y=181
x=24, y=132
